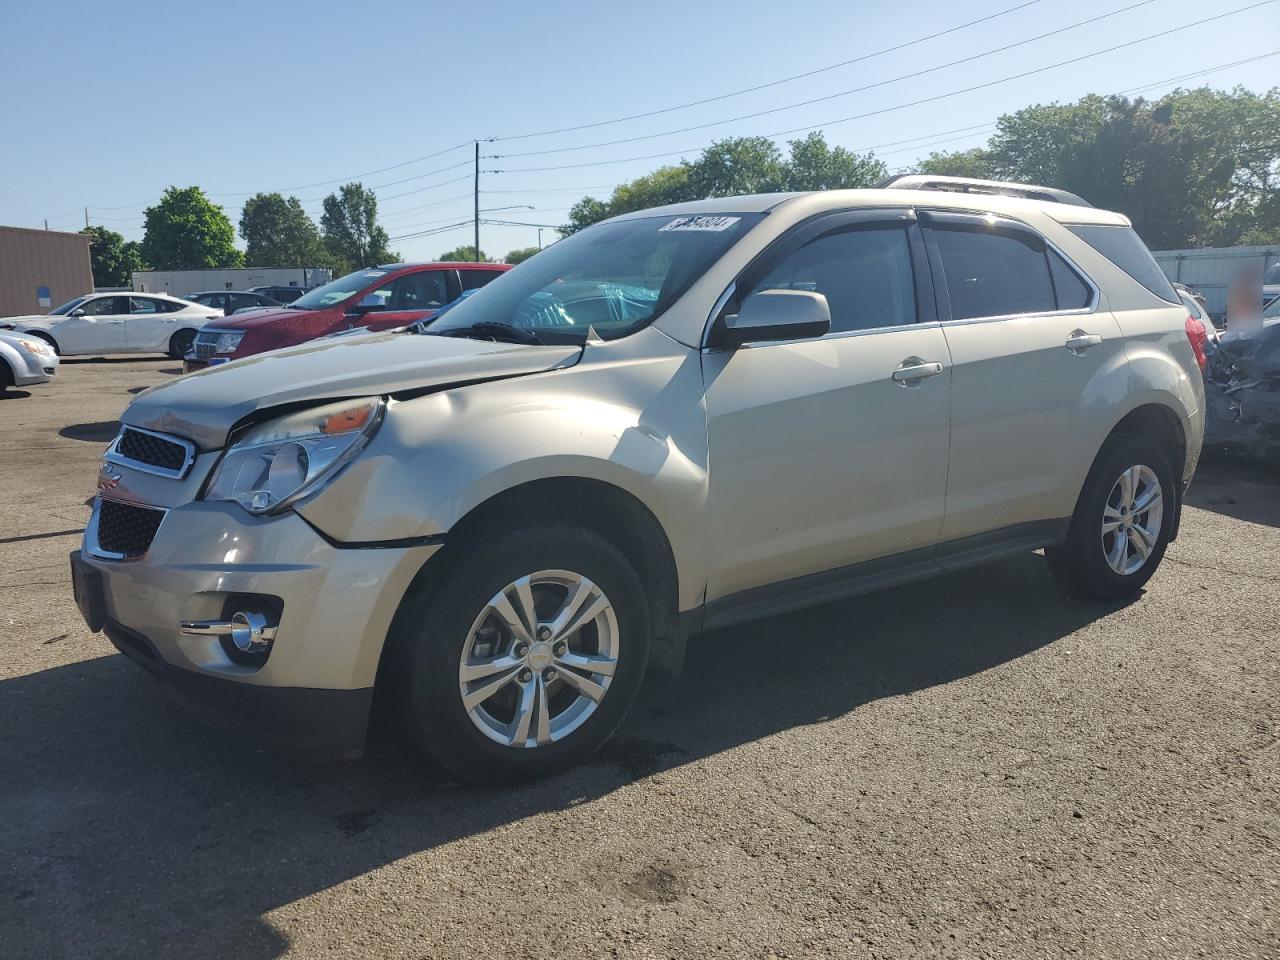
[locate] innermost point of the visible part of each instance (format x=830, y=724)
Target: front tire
x=524, y=657
x=1122, y=521
x=180, y=343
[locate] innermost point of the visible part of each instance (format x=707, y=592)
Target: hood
x=40, y=320
x=258, y=318
x=205, y=405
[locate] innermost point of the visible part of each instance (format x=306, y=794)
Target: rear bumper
x=321, y=724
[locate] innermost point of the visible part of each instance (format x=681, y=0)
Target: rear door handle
x=913, y=369
x=1079, y=341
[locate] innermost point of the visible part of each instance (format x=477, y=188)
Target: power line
x=354, y=176
x=833, y=96
x=774, y=83
x=914, y=103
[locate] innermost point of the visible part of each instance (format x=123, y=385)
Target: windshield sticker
x=714, y=224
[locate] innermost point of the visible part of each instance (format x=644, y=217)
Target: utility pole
x=46, y=223
x=539, y=238
x=86, y=218
x=477, y=199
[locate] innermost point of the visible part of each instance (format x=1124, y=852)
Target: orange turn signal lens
x=347, y=420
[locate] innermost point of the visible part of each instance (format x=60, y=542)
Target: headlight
x=227, y=342
x=38, y=347
x=277, y=462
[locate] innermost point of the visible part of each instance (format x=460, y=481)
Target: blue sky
x=106, y=104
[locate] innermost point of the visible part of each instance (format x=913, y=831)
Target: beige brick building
x=40, y=269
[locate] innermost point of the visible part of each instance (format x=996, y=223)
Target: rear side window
x=1122, y=247
x=865, y=274
x=993, y=273
x=475, y=279
x=1070, y=290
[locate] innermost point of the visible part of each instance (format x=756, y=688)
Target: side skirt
x=872, y=575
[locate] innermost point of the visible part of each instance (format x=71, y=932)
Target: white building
x=180, y=283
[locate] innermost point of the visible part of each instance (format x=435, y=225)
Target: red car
x=377, y=298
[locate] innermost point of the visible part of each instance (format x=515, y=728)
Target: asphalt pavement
x=979, y=766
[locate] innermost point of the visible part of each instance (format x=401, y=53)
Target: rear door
x=100, y=328
x=149, y=326
x=831, y=451
x=1027, y=335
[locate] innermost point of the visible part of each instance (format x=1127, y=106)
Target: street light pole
x=477, y=204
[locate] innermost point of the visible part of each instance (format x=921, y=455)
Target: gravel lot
x=978, y=766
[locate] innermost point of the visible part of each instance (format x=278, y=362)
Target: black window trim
x=1009, y=224
x=813, y=228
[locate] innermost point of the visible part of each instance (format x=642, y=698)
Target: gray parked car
x=678, y=419
x=25, y=361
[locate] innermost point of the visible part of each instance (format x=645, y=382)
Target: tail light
x=1198, y=337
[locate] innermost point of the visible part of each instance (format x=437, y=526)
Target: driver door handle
x=913, y=369
x=1079, y=340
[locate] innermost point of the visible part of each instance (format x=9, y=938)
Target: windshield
x=615, y=277
x=68, y=306
x=1273, y=310
x=338, y=290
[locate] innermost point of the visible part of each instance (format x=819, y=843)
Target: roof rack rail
x=1004, y=188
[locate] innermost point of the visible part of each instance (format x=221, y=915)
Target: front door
x=1027, y=337
x=99, y=328
x=818, y=456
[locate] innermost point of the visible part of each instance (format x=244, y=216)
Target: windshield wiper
x=491, y=330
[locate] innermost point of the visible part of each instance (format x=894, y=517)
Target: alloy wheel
x=539, y=659
x=1131, y=519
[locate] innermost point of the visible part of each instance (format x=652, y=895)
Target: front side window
x=615, y=277
x=1126, y=250
x=336, y=291
x=106, y=306
x=993, y=272
x=865, y=274
x=426, y=290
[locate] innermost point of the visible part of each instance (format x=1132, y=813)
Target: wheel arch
x=46, y=337
x=606, y=508
x=1159, y=422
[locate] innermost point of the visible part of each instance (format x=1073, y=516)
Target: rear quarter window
x=1126, y=250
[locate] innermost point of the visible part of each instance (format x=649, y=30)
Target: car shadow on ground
x=12, y=394
x=131, y=829
x=104, y=431
x=1237, y=487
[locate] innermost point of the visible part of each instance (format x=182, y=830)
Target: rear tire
x=180, y=343
x=1122, y=521
x=451, y=631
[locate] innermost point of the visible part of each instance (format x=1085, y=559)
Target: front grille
x=152, y=450
x=126, y=529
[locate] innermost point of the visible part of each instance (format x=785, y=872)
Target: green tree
x=813, y=165
x=959, y=163
x=352, y=235
x=112, y=258
x=464, y=254
x=278, y=233
x=735, y=166
x=520, y=255
x=186, y=231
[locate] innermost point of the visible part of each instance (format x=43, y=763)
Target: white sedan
x=118, y=323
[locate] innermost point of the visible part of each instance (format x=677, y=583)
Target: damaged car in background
x=1242, y=390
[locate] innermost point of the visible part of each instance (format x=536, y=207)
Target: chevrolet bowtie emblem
x=107, y=480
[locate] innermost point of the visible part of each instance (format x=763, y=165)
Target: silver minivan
x=678, y=419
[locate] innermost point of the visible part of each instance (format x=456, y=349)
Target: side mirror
x=78, y=312
x=368, y=303
x=777, y=315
